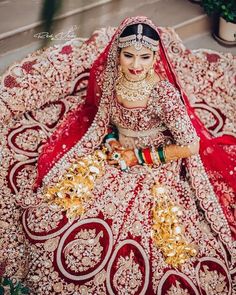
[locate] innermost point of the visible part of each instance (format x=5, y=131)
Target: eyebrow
x=144, y=54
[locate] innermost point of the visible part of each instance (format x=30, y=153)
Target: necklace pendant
x=134, y=90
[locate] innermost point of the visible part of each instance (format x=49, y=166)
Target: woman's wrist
x=147, y=156
x=175, y=152
x=161, y=154
x=154, y=155
x=114, y=144
x=111, y=140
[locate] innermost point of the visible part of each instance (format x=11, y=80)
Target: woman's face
x=135, y=63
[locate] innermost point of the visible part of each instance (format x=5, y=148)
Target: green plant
x=15, y=288
x=223, y=8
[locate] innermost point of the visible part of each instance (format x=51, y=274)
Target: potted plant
x=226, y=11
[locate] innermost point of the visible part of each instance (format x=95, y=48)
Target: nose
x=136, y=63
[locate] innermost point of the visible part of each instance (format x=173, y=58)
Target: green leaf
x=1, y=290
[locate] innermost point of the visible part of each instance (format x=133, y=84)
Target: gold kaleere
x=167, y=233
x=74, y=188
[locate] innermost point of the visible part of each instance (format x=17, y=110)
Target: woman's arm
x=152, y=156
x=173, y=113
x=174, y=152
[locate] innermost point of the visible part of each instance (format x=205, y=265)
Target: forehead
x=132, y=50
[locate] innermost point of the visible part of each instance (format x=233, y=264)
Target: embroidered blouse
x=163, y=121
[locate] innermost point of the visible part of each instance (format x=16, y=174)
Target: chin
x=135, y=77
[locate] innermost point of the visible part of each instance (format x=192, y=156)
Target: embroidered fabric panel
x=137, y=119
x=171, y=110
x=110, y=251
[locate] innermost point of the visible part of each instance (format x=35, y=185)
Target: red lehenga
x=109, y=249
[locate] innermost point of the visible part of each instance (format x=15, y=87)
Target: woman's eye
x=145, y=57
x=128, y=55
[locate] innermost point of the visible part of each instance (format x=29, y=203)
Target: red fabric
x=77, y=123
x=212, y=152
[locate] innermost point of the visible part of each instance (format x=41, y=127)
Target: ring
x=123, y=166
x=115, y=156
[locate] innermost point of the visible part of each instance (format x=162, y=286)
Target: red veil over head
x=78, y=135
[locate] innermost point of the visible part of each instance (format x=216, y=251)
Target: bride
x=125, y=203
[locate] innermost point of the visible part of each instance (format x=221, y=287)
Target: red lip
x=135, y=72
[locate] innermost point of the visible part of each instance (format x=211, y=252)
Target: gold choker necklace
x=134, y=90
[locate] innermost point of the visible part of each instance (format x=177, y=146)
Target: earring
x=151, y=71
x=119, y=72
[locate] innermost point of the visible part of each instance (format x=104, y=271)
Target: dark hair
x=147, y=31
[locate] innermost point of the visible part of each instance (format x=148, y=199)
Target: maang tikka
x=138, y=41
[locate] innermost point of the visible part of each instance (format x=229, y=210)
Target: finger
x=112, y=162
x=120, y=148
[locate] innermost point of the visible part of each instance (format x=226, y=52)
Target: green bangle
x=110, y=136
x=141, y=156
x=161, y=155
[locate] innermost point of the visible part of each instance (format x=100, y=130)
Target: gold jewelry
x=142, y=77
x=116, y=156
x=151, y=71
x=119, y=72
x=74, y=189
x=135, y=90
x=138, y=40
x=167, y=231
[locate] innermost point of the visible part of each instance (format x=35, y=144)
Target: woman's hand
x=174, y=152
x=194, y=147
x=115, y=144
x=127, y=155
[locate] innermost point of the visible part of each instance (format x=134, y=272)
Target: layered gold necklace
x=135, y=90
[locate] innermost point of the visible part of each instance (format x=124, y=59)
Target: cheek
x=147, y=63
x=124, y=62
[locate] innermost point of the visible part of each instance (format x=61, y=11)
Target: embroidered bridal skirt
x=109, y=250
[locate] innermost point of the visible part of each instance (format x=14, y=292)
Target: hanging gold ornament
x=74, y=188
x=167, y=233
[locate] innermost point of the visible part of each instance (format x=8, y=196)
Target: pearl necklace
x=135, y=90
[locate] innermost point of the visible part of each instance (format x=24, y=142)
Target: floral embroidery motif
x=51, y=244
x=128, y=277
x=28, y=140
x=84, y=252
x=213, y=282
x=44, y=218
x=177, y=290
